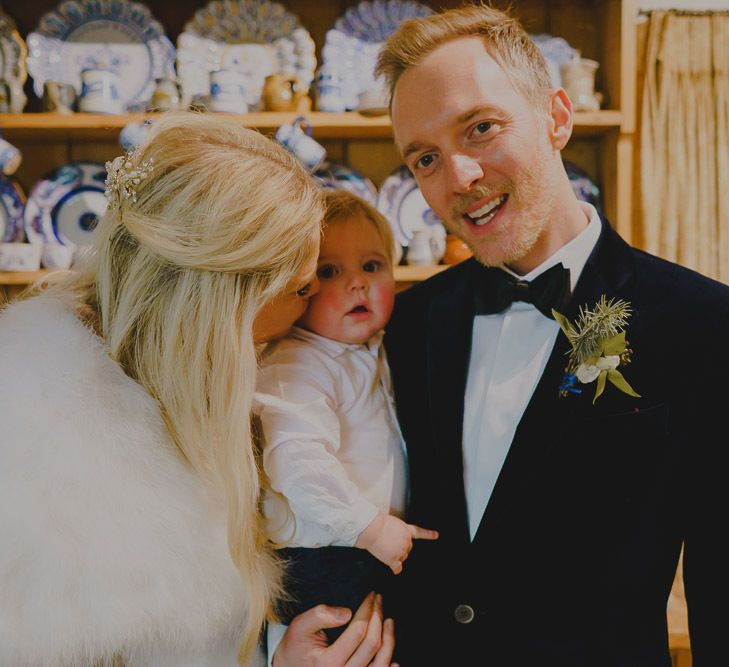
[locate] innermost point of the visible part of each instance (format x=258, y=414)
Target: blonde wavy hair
x=173, y=284
x=343, y=204
x=503, y=36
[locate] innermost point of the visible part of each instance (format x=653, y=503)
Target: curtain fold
x=684, y=134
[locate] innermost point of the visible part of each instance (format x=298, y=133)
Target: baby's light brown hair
x=343, y=204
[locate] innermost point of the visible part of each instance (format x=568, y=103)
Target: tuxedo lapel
x=547, y=415
x=450, y=324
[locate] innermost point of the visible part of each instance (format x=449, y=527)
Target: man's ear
x=561, y=118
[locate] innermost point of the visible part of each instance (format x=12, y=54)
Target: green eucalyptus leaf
x=616, y=377
x=600, y=385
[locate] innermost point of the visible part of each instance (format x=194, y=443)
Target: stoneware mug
x=10, y=157
x=100, y=92
x=228, y=91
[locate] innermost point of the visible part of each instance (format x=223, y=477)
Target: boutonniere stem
x=599, y=347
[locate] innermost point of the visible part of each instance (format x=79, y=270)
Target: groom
x=563, y=473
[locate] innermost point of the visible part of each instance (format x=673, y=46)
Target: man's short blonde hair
x=343, y=204
x=503, y=36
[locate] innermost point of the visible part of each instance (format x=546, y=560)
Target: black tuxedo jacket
x=576, y=552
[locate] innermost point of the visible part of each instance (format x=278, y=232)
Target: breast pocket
x=615, y=460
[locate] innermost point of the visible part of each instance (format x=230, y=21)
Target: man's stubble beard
x=536, y=193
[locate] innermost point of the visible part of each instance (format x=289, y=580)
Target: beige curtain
x=684, y=133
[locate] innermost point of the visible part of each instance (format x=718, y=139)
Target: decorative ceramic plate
x=101, y=34
x=198, y=56
x=557, y=52
x=13, y=53
x=376, y=20
x=584, y=187
x=402, y=203
x=351, y=47
x=257, y=37
x=65, y=207
x=243, y=21
x=339, y=176
x=12, y=202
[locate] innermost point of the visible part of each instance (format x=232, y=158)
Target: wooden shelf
x=411, y=274
x=49, y=127
x=402, y=274
x=22, y=277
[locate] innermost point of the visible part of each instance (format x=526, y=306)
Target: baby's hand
x=390, y=539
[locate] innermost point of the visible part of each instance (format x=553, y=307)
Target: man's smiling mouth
x=486, y=213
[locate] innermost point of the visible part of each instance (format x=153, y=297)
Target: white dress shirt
x=333, y=445
x=332, y=452
x=509, y=351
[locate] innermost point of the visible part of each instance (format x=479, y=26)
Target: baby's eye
x=304, y=291
x=326, y=271
x=371, y=266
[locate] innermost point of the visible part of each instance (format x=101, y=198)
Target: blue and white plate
x=101, y=34
x=12, y=202
x=66, y=206
x=376, y=20
x=402, y=203
x=255, y=37
x=582, y=185
x=557, y=52
x=352, y=45
x=339, y=176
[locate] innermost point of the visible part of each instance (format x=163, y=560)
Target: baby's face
x=357, y=286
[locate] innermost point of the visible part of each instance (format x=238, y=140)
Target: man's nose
x=465, y=172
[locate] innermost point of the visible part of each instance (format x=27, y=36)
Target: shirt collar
x=336, y=348
x=574, y=254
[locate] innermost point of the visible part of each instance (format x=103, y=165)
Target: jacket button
x=464, y=613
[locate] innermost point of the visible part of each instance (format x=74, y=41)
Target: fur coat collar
x=109, y=544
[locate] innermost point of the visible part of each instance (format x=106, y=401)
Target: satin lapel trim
x=450, y=326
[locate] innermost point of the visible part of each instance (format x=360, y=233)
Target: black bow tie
x=495, y=290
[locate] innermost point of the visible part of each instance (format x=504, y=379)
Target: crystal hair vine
x=123, y=175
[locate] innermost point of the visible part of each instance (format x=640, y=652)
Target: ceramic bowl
x=20, y=256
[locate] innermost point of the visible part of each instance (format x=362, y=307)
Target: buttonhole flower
x=598, y=347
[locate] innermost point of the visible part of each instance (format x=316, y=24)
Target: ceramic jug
x=283, y=92
x=296, y=137
x=420, y=249
x=578, y=78
x=166, y=95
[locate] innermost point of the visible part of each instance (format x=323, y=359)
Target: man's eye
x=425, y=161
x=371, y=266
x=483, y=127
x=326, y=271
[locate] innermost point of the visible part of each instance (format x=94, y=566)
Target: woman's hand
x=366, y=642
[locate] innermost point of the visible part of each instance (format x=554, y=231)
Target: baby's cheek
x=323, y=311
x=383, y=298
